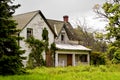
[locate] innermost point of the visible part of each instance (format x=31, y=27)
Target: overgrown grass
x=108, y=72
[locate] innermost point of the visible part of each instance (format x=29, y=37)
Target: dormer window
x=29, y=32
x=62, y=37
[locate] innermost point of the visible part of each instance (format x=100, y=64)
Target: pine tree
x=10, y=59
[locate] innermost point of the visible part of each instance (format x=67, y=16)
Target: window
x=29, y=32
x=83, y=58
x=62, y=37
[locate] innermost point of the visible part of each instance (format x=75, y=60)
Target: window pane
x=29, y=32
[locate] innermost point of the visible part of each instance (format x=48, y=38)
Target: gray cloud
x=55, y=9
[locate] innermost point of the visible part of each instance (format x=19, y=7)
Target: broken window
x=29, y=32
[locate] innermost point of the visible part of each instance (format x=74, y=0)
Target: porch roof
x=72, y=47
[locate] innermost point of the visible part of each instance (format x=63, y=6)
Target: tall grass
x=109, y=72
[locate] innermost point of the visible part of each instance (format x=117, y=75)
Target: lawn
x=111, y=72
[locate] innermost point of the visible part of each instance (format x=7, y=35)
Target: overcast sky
x=56, y=9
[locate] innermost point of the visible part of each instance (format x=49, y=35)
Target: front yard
x=111, y=72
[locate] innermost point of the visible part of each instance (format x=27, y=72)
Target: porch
x=67, y=58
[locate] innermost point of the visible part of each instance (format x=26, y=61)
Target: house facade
x=68, y=53
x=32, y=24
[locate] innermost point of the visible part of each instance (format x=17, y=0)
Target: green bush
x=98, y=58
x=116, y=57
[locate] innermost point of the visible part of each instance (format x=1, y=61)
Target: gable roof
x=70, y=31
x=61, y=24
x=55, y=24
x=24, y=19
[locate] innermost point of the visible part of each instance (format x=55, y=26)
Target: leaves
x=35, y=57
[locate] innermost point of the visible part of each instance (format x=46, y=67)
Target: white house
x=32, y=23
x=68, y=53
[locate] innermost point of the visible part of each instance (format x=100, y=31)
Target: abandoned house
x=69, y=52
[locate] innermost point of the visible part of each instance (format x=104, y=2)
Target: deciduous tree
x=111, y=12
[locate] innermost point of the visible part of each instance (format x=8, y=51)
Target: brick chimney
x=65, y=18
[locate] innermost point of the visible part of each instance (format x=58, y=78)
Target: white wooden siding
x=37, y=24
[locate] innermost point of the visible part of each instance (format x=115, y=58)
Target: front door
x=69, y=59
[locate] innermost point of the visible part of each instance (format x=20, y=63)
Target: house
x=32, y=24
x=68, y=53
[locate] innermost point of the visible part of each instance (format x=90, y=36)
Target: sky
x=77, y=10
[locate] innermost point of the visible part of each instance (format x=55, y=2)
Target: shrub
x=98, y=58
x=116, y=57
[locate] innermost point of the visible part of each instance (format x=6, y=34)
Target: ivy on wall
x=45, y=38
x=37, y=48
x=35, y=57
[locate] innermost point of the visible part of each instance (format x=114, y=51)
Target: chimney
x=65, y=18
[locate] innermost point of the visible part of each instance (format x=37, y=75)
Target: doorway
x=69, y=59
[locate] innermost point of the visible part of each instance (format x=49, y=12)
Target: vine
x=35, y=57
x=37, y=48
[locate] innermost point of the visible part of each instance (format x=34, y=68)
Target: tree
x=111, y=51
x=88, y=39
x=101, y=42
x=10, y=59
x=84, y=34
x=111, y=12
x=98, y=58
x=116, y=57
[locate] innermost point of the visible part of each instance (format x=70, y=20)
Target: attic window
x=62, y=37
x=29, y=32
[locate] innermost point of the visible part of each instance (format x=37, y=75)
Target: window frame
x=29, y=32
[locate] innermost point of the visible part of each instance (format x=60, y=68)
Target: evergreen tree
x=10, y=59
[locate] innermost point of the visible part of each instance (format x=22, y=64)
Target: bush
x=98, y=58
x=116, y=57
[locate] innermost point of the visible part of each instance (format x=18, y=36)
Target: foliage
x=45, y=37
x=10, y=59
x=98, y=58
x=116, y=57
x=111, y=51
x=35, y=57
x=49, y=51
x=53, y=47
x=111, y=12
x=37, y=48
x=111, y=72
x=87, y=38
x=45, y=34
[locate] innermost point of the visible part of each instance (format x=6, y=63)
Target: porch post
x=88, y=58
x=73, y=59
x=56, y=59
